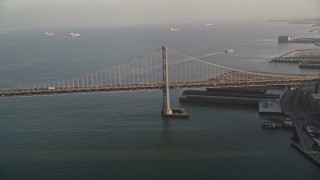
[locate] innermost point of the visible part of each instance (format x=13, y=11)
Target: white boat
x=208, y=24
x=49, y=34
x=229, y=51
x=173, y=29
x=75, y=34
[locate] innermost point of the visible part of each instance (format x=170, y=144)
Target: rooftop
x=316, y=96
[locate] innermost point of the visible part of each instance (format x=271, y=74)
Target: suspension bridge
x=164, y=69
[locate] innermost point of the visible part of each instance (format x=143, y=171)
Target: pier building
x=267, y=100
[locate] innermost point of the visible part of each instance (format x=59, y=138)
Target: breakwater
x=291, y=39
x=310, y=156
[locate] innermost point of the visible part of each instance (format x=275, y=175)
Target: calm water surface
x=122, y=135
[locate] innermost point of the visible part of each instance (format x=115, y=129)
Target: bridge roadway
x=14, y=92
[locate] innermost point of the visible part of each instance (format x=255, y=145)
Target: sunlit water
x=122, y=135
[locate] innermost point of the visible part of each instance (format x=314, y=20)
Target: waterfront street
x=295, y=104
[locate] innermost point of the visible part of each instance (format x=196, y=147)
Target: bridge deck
x=216, y=82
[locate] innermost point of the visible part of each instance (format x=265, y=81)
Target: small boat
x=173, y=29
x=49, y=34
x=229, y=51
x=75, y=34
x=208, y=24
x=272, y=125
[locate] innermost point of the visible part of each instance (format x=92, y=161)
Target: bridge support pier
x=167, y=111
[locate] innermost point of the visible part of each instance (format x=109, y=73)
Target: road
x=295, y=104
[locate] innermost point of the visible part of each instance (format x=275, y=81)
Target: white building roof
x=269, y=106
x=316, y=96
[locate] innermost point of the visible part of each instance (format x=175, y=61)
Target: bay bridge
x=163, y=69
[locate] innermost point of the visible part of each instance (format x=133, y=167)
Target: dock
x=283, y=122
x=306, y=58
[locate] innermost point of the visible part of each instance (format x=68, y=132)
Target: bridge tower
x=167, y=111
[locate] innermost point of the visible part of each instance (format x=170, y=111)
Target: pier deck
x=302, y=56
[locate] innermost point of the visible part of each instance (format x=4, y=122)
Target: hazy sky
x=115, y=12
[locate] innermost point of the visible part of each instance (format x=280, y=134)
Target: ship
x=75, y=34
x=208, y=24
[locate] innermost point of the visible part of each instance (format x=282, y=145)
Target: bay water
x=123, y=135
